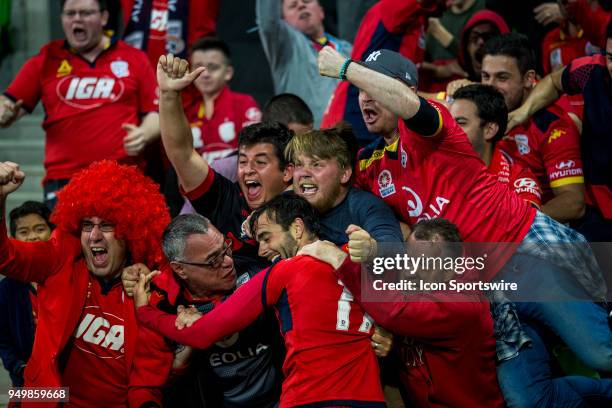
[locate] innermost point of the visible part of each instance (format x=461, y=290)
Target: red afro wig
x=119, y=194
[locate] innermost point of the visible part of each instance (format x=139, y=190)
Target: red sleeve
x=148, y=99
x=203, y=16
x=430, y=318
x=231, y=316
x=150, y=370
x=525, y=184
x=27, y=84
x=30, y=261
x=396, y=14
x=560, y=149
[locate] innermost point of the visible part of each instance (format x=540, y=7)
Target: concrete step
x=23, y=152
x=27, y=128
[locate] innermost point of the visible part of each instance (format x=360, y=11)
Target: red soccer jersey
x=518, y=178
x=442, y=177
x=85, y=104
x=218, y=136
x=548, y=145
x=327, y=336
x=96, y=368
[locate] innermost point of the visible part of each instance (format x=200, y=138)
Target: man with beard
x=436, y=174
x=549, y=143
x=329, y=359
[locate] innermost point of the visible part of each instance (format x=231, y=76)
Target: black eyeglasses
x=88, y=226
x=217, y=261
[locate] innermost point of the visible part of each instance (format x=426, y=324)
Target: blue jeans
x=526, y=381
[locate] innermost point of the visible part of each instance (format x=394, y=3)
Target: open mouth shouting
x=79, y=34
x=370, y=115
x=253, y=189
x=99, y=256
x=308, y=189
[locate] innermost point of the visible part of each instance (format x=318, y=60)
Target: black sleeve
x=221, y=204
x=427, y=120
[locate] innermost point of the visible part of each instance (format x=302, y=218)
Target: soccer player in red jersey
x=481, y=112
x=426, y=168
x=87, y=335
x=329, y=360
x=95, y=91
x=549, y=143
x=448, y=352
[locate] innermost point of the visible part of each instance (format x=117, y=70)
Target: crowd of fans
x=194, y=250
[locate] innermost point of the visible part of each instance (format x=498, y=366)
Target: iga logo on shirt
x=100, y=333
x=89, y=92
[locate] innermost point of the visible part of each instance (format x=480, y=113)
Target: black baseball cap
x=392, y=64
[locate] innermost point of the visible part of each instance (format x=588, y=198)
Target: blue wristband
x=344, y=68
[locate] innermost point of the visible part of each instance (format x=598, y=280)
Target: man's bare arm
x=173, y=76
x=547, y=91
x=568, y=203
x=389, y=92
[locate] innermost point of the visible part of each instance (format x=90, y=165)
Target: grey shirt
x=293, y=59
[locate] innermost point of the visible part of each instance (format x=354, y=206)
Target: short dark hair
x=103, y=4
x=490, y=105
x=513, y=45
x=274, y=133
x=287, y=108
x=426, y=229
x=284, y=209
x=212, y=43
x=609, y=30
x=27, y=208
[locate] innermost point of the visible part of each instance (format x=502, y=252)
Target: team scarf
x=139, y=25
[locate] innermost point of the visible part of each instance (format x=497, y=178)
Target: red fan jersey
x=548, y=144
x=85, y=103
x=217, y=137
x=518, y=178
x=95, y=363
x=442, y=177
x=329, y=361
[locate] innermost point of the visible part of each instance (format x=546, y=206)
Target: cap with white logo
x=392, y=64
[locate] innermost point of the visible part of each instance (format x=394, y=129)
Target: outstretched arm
x=545, y=93
x=389, y=92
x=172, y=77
x=233, y=315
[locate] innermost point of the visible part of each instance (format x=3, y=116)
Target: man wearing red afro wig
x=108, y=216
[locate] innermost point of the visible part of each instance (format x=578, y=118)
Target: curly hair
x=119, y=194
